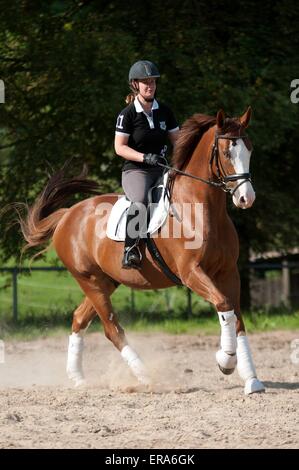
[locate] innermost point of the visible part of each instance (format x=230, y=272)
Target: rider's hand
x=152, y=159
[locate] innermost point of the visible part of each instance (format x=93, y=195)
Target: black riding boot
x=132, y=256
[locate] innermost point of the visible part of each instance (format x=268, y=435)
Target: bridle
x=221, y=175
x=223, y=178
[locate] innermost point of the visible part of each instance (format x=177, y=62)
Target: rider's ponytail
x=130, y=98
x=134, y=92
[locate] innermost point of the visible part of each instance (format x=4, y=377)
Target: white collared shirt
x=149, y=116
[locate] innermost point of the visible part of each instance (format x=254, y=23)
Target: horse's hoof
x=144, y=380
x=79, y=383
x=226, y=371
x=76, y=377
x=254, y=386
x=226, y=362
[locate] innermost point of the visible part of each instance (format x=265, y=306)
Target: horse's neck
x=187, y=189
x=199, y=163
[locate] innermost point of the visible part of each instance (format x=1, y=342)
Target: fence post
x=167, y=300
x=189, y=298
x=133, y=309
x=286, y=283
x=15, y=294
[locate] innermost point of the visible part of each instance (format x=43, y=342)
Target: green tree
x=65, y=66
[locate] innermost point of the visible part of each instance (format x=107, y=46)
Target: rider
x=141, y=135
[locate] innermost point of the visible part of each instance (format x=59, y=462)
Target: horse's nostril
x=242, y=200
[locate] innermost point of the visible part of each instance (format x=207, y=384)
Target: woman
x=142, y=130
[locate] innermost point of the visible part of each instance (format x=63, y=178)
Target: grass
x=255, y=322
x=271, y=321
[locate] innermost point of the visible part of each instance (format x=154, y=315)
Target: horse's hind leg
x=82, y=317
x=98, y=289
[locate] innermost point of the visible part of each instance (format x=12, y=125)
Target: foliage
x=65, y=66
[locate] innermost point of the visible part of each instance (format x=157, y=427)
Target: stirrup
x=134, y=262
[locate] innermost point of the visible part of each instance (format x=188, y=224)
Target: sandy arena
x=191, y=405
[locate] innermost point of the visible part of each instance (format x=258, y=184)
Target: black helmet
x=143, y=69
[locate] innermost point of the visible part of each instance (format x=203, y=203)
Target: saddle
x=158, y=208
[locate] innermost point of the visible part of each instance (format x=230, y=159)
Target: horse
x=211, y=158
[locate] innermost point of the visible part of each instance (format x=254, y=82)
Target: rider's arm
x=123, y=150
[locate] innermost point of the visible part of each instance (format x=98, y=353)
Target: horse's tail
x=41, y=219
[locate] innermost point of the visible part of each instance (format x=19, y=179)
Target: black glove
x=152, y=159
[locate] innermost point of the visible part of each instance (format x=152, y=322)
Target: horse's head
x=231, y=157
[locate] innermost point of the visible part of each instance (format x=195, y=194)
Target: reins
x=211, y=183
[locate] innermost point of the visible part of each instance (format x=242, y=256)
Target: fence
x=281, y=288
x=15, y=271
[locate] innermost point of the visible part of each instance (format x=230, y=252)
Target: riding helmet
x=143, y=69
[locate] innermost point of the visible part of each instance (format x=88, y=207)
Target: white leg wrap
x=246, y=367
x=135, y=363
x=226, y=361
x=74, y=358
x=228, y=331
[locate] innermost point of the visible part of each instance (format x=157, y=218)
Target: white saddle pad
x=116, y=226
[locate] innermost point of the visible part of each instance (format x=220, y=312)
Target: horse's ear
x=220, y=118
x=245, y=119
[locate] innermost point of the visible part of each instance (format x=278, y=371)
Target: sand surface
x=191, y=404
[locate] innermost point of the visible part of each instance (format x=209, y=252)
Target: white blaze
x=244, y=195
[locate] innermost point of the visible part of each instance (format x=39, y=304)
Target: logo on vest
x=163, y=125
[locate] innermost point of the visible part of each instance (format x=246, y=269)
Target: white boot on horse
x=226, y=356
x=246, y=367
x=235, y=351
x=74, y=367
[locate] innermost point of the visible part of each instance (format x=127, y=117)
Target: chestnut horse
x=211, y=157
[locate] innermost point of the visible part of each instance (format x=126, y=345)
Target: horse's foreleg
x=226, y=356
x=98, y=290
x=230, y=286
x=246, y=368
x=82, y=317
x=198, y=281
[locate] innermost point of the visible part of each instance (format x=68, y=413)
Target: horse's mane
x=192, y=131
